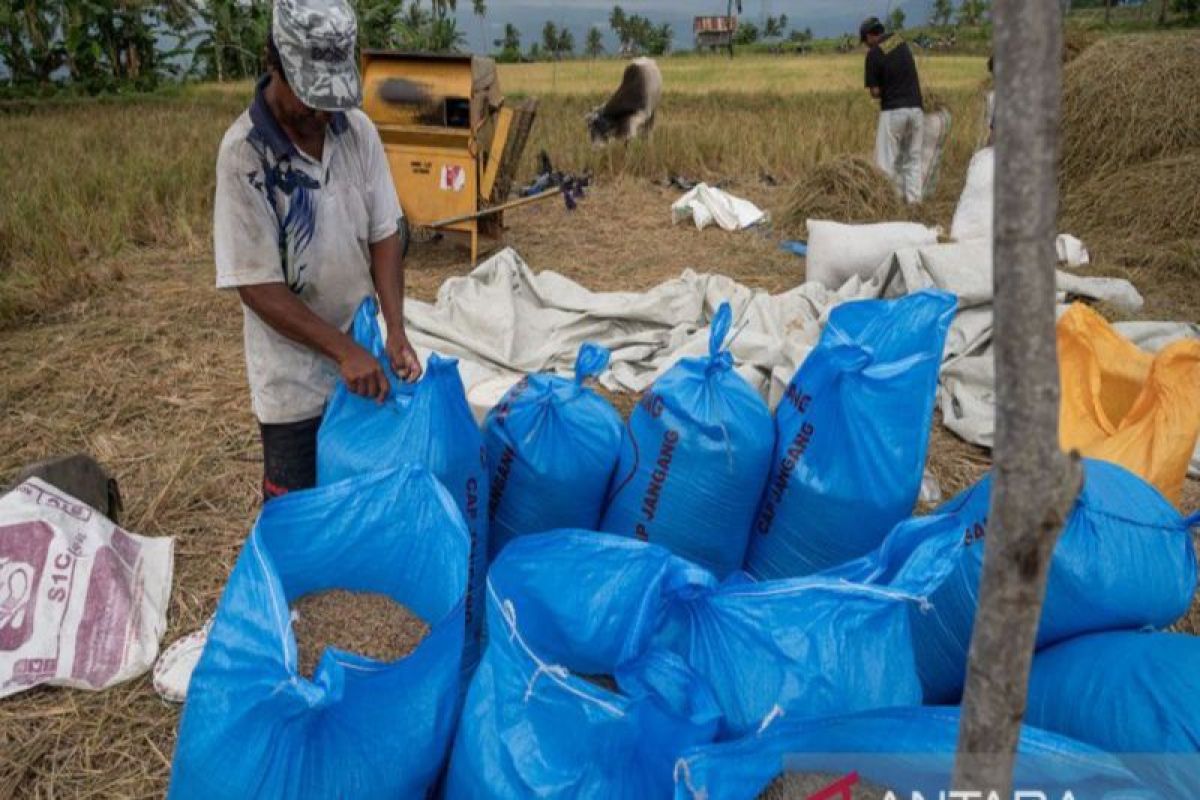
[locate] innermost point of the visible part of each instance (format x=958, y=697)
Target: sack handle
x=1192, y=520
x=851, y=357
x=590, y=362
x=721, y=323
x=720, y=359
x=365, y=329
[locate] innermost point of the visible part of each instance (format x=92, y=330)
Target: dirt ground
x=147, y=375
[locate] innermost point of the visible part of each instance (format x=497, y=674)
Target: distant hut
x=714, y=33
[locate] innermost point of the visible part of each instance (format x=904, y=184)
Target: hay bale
x=1157, y=201
x=369, y=624
x=1143, y=216
x=844, y=189
x=1076, y=40
x=803, y=785
x=1128, y=100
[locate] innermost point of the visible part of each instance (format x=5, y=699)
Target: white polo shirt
x=281, y=216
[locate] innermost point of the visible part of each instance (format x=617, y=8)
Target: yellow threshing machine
x=452, y=142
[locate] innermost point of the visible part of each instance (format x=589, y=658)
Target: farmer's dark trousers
x=289, y=457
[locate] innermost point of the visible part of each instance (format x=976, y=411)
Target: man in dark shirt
x=891, y=77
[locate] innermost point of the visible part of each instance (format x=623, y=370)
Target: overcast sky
x=825, y=17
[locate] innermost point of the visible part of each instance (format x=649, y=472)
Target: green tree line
x=102, y=45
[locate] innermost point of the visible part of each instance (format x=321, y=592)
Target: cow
x=630, y=111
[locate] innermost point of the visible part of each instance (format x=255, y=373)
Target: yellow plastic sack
x=1127, y=406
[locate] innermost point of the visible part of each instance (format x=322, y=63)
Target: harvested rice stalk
x=845, y=189
x=1153, y=202
x=1127, y=100
x=371, y=625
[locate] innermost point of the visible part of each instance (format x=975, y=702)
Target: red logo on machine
x=453, y=178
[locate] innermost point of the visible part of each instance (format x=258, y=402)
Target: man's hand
x=362, y=373
x=404, y=359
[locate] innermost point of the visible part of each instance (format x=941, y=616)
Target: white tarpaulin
x=503, y=318
x=973, y=215
x=83, y=603
x=706, y=205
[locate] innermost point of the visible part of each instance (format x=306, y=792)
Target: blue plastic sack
x=560, y=605
x=798, y=647
x=694, y=460
x=428, y=422
x=1124, y=559
x=254, y=727
x=552, y=446
x=908, y=749
x=851, y=433
x=1127, y=692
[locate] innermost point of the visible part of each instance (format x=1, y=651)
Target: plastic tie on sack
x=775, y=713
x=719, y=356
x=591, y=360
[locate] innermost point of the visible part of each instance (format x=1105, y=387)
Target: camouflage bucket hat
x=316, y=41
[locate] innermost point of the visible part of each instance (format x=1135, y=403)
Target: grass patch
x=90, y=180
x=86, y=181
x=745, y=74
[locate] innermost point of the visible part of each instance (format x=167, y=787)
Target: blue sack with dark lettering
x=798, y=647
x=254, y=726
x=851, y=435
x=1127, y=692
x=907, y=750
x=694, y=460
x=1124, y=560
x=428, y=422
x=572, y=698
x=552, y=445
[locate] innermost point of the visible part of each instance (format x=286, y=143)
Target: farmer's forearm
x=275, y=304
x=387, y=271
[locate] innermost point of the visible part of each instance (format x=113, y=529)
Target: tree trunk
x=1034, y=484
x=1162, y=13
x=1107, y=11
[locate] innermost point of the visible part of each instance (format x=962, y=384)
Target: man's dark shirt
x=890, y=67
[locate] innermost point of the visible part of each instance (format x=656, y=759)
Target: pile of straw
x=1150, y=204
x=1075, y=41
x=1128, y=100
x=845, y=189
x=1131, y=162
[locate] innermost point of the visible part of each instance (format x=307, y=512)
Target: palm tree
x=566, y=41
x=595, y=43
x=550, y=41
x=441, y=8
x=970, y=14
x=376, y=21
x=662, y=37
x=941, y=12
x=410, y=28
x=479, y=9
x=512, y=39
x=620, y=26
x=444, y=36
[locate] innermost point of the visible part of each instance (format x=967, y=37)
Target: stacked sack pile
x=669, y=606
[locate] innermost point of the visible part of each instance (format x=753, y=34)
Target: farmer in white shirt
x=306, y=225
